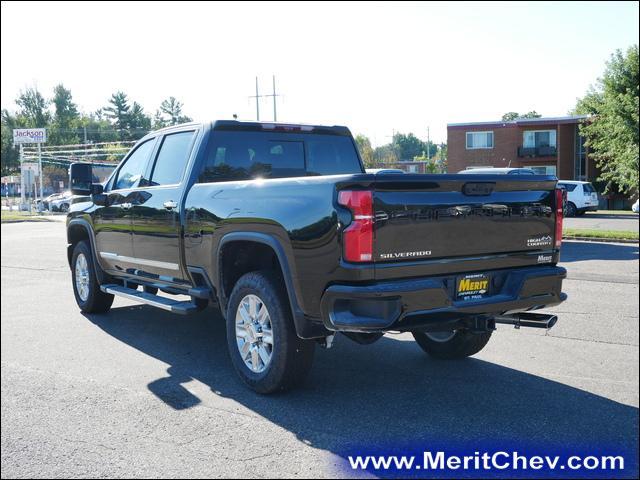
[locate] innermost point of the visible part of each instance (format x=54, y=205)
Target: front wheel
x=453, y=344
x=265, y=350
x=86, y=289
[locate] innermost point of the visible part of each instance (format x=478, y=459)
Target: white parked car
x=581, y=197
x=636, y=207
x=62, y=203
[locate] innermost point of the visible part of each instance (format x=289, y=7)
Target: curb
x=605, y=240
x=45, y=220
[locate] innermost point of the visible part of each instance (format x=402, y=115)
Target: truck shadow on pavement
x=577, y=251
x=387, y=394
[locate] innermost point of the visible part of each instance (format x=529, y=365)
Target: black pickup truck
x=280, y=227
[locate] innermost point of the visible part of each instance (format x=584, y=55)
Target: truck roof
x=280, y=126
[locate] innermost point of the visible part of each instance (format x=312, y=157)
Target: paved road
x=139, y=392
x=597, y=221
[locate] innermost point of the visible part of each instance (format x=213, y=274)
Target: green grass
x=15, y=217
x=604, y=234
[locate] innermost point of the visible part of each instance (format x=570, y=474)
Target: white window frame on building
x=530, y=138
x=488, y=142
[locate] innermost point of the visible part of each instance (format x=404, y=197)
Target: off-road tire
x=96, y=300
x=291, y=357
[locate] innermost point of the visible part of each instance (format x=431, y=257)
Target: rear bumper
x=422, y=303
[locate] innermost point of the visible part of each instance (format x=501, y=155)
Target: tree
x=65, y=117
x=531, y=114
x=129, y=121
x=117, y=111
x=97, y=127
x=170, y=113
x=386, y=154
x=409, y=145
x=139, y=122
x=510, y=116
x=611, y=133
x=366, y=152
x=9, y=157
x=441, y=156
x=33, y=109
x=431, y=165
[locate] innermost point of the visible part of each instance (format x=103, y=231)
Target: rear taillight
x=559, y=216
x=358, y=236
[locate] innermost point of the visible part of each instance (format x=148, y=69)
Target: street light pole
x=41, y=175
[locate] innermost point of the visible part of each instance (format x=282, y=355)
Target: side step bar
x=527, y=319
x=174, y=306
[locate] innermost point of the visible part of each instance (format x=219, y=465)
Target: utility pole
x=257, y=97
x=428, y=146
x=274, y=95
x=41, y=206
x=23, y=198
x=275, y=116
x=393, y=135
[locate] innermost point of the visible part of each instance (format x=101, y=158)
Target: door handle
x=126, y=206
x=170, y=204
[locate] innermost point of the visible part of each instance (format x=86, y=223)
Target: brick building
x=550, y=146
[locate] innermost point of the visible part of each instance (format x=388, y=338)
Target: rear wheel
x=86, y=289
x=452, y=344
x=265, y=350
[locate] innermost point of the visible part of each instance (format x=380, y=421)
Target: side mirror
x=80, y=179
x=97, y=194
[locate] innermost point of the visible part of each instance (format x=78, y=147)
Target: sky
x=377, y=68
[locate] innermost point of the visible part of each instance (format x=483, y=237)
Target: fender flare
x=81, y=222
x=304, y=327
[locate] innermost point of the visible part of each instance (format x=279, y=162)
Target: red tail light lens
x=559, y=215
x=358, y=237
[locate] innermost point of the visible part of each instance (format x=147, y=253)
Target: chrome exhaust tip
x=528, y=319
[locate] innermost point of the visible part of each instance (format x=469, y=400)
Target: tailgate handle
x=478, y=189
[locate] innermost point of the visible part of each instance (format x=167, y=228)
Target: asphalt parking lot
x=602, y=221
x=140, y=392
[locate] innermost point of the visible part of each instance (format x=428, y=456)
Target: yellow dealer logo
x=473, y=285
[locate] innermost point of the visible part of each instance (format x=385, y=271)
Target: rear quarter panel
x=298, y=212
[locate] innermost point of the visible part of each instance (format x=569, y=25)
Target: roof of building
x=523, y=121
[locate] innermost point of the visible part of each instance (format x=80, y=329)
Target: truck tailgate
x=435, y=217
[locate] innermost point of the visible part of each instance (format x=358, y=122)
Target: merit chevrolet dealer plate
x=472, y=286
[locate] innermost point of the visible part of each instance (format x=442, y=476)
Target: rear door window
x=172, y=158
x=588, y=188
